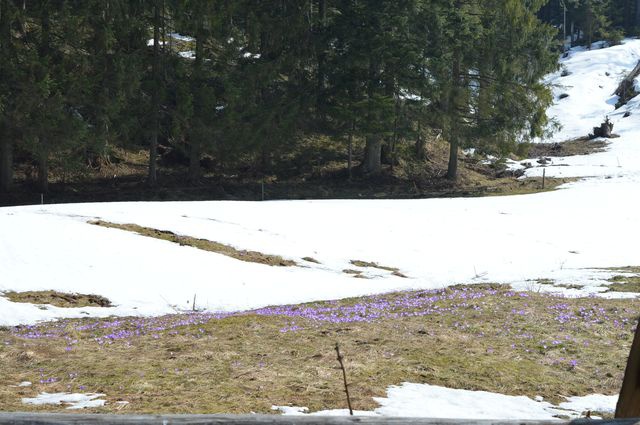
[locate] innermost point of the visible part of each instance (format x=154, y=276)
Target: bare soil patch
x=58, y=299
x=204, y=244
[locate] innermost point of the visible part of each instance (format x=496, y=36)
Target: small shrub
x=613, y=37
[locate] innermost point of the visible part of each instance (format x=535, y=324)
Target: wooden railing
x=83, y=419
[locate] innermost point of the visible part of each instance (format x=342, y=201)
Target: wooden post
x=629, y=401
x=544, y=176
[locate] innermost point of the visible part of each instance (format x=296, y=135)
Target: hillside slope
x=546, y=241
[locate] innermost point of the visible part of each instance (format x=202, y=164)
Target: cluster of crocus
x=460, y=306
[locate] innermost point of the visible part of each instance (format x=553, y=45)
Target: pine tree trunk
x=590, y=29
x=350, y=154
x=6, y=164
x=629, y=401
x=572, y=33
x=195, y=149
x=372, y=155
x=321, y=57
x=452, y=109
x=421, y=146
x=637, y=22
x=628, y=16
x=6, y=144
x=43, y=172
x=153, y=143
x=194, y=162
x=452, y=169
x=372, y=162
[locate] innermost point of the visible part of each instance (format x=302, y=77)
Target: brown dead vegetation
x=316, y=169
x=578, y=146
x=369, y=264
x=203, y=244
x=627, y=281
x=58, y=299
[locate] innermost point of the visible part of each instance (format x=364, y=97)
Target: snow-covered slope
x=590, y=80
x=561, y=235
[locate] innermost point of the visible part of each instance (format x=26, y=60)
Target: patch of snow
x=593, y=402
x=181, y=37
x=290, y=410
x=636, y=84
x=432, y=401
x=187, y=54
x=301, y=411
x=469, y=151
x=150, y=42
x=405, y=94
x=74, y=401
x=25, y=384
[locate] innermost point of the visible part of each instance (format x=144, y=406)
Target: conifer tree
x=493, y=60
x=9, y=69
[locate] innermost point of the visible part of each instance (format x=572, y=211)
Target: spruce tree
x=492, y=61
x=9, y=69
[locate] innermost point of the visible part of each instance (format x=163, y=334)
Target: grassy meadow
x=485, y=337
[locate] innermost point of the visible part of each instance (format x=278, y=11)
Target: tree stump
x=605, y=130
x=629, y=401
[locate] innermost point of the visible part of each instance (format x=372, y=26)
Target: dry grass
x=478, y=338
x=315, y=169
x=475, y=178
x=204, y=244
x=360, y=263
x=368, y=264
x=311, y=260
x=58, y=299
x=507, y=186
x=578, y=146
x=627, y=281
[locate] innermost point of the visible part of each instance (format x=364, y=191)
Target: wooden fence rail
x=83, y=419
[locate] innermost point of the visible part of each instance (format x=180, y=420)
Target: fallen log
x=626, y=89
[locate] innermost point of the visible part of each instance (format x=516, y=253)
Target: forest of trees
x=586, y=21
x=242, y=81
